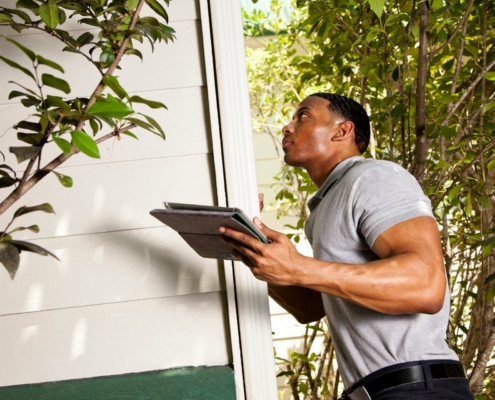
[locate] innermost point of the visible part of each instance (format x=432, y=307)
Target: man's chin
x=291, y=161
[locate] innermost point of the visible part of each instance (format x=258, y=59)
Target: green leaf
x=9, y=257
x=65, y=180
x=31, y=247
x=49, y=63
x=129, y=133
x=13, y=64
x=32, y=228
x=85, y=144
x=488, y=106
x=28, y=4
x=55, y=101
x=54, y=82
x=377, y=6
x=5, y=18
x=491, y=165
x=132, y=4
x=45, y=207
x=155, y=125
x=24, y=153
x=84, y=39
x=158, y=8
x=447, y=132
x=469, y=205
x=107, y=57
x=149, y=103
x=134, y=52
x=25, y=50
x=398, y=111
x=50, y=15
x=64, y=145
x=112, y=82
x=109, y=110
x=490, y=76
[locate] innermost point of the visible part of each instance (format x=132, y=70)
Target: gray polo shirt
x=360, y=199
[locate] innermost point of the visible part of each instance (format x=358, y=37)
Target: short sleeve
x=385, y=195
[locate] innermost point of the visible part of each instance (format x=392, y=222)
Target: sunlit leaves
x=63, y=144
x=50, y=15
x=85, y=144
x=109, y=110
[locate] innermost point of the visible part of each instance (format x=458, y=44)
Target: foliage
x=73, y=124
x=424, y=70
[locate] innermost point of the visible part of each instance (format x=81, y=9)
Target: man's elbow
x=432, y=301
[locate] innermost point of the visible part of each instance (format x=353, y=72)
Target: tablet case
x=198, y=226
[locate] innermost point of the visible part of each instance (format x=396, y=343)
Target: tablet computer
x=198, y=225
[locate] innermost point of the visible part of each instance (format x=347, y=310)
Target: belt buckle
x=359, y=393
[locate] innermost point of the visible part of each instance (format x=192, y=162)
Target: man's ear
x=345, y=131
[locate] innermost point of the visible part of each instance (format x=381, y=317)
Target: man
x=377, y=271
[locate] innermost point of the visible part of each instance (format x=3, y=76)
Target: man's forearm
x=304, y=304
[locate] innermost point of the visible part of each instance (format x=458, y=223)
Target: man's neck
x=320, y=172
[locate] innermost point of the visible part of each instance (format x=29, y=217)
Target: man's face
x=307, y=138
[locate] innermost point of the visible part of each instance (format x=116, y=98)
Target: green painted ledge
x=201, y=383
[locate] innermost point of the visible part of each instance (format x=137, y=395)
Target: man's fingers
x=269, y=233
x=240, y=237
x=261, y=196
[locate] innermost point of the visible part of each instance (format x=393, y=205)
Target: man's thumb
x=270, y=233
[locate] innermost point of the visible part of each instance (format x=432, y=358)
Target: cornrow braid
x=351, y=111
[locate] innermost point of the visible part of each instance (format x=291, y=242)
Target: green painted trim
x=201, y=383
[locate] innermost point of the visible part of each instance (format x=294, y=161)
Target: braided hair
x=352, y=111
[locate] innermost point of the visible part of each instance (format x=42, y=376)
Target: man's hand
x=261, y=196
x=276, y=263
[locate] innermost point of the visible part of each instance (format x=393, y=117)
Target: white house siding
x=127, y=295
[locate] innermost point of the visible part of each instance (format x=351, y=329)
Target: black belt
x=403, y=374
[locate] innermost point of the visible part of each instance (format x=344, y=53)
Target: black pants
x=430, y=389
x=441, y=389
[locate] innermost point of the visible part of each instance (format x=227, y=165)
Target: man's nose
x=288, y=128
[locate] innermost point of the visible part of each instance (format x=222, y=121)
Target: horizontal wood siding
x=128, y=295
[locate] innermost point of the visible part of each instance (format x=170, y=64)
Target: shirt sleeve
x=386, y=195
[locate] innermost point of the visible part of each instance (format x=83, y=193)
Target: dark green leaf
x=158, y=8
x=114, y=84
x=54, y=101
x=398, y=111
x=149, y=103
x=94, y=126
x=16, y=93
x=30, y=138
x=84, y=39
x=109, y=110
x=13, y=64
x=25, y=50
x=28, y=4
x=64, y=145
x=25, y=17
x=30, y=126
x=85, y=144
x=65, y=180
x=377, y=6
x=45, y=207
x=34, y=248
x=9, y=257
x=7, y=181
x=49, y=63
x=54, y=82
x=7, y=167
x=26, y=89
x=50, y=15
x=141, y=124
x=24, y=153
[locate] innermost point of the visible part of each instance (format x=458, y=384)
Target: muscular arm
x=408, y=278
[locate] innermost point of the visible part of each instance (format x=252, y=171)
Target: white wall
x=127, y=293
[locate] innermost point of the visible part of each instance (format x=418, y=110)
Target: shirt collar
x=337, y=173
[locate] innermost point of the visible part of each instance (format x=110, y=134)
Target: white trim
x=240, y=174
x=235, y=342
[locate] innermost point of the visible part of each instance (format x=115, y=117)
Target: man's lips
x=286, y=142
